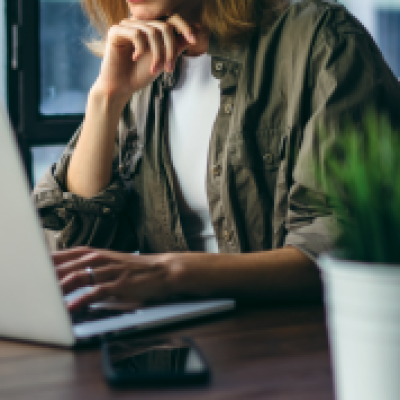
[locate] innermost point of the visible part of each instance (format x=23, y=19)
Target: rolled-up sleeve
x=347, y=78
x=70, y=220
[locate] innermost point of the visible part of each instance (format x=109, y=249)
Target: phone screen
x=175, y=360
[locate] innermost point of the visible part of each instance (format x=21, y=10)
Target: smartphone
x=153, y=362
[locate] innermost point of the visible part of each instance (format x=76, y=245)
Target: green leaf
x=360, y=174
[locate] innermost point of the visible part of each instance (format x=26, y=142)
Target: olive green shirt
x=317, y=66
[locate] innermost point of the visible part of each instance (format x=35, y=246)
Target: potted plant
x=362, y=279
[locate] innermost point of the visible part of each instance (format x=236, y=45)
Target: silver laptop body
x=31, y=303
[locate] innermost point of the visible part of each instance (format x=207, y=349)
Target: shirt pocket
x=272, y=147
x=260, y=156
x=265, y=151
x=272, y=144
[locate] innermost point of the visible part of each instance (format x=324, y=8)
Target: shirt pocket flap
x=273, y=147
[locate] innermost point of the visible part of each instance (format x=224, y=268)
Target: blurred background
x=3, y=52
x=66, y=70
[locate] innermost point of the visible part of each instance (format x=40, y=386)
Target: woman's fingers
x=97, y=294
x=82, y=277
x=140, y=44
x=182, y=28
x=124, y=276
x=166, y=40
x=92, y=259
x=138, y=39
x=113, y=282
x=136, y=32
x=177, y=35
x=169, y=40
x=63, y=256
x=123, y=282
x=104, y=269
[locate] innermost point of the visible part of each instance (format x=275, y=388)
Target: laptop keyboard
x=90, y=315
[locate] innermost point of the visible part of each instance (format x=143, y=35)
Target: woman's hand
x=137, y=52
x=125, y=277
x=282, y=274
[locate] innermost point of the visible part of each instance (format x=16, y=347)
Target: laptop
x=32, y=306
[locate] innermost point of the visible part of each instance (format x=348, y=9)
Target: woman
x=204, y=161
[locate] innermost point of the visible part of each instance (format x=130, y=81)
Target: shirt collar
x=231, y=54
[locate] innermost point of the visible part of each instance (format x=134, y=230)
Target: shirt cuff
x=315, y=238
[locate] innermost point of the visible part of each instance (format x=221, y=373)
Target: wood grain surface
x=272, y=354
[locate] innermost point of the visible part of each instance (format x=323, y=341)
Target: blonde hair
x=230, y=20
x=233, y=20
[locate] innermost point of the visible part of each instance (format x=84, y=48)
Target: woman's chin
x=146, y=15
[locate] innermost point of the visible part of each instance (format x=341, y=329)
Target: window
x=42, y=157
x=50, y=74
x=67, y=69
x=50, y=70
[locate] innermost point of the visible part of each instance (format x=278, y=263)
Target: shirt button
x=219, y=66
x=227, y=235
x=269, y=158
x=228, y=108
x=121, y=168
x=216, y=170
x=106, y=210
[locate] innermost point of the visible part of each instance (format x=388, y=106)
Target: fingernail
x=157, y=69
x=192, y=38
x=170, y=67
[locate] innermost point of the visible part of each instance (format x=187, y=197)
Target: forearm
x=279, y=275
x=90, y=167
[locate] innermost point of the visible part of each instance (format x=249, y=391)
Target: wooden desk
x=254, y=354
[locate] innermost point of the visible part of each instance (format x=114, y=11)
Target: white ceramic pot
x=363, y=316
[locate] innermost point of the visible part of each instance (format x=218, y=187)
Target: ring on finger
x=92, y=277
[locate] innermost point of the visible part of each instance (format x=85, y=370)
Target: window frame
x=23, y=89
